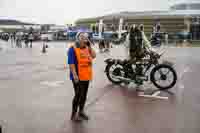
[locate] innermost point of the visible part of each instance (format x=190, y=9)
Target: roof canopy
x=185, y=5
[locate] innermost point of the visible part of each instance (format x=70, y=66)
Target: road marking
x=156, y=93
x=187, y=69
x=53, y=83
x=157, y=97
x=181, y=87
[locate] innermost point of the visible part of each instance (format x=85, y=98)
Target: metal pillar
x=100, y=28
x=120, y=27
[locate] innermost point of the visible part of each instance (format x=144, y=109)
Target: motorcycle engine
x=139, y=70
x=130, y=72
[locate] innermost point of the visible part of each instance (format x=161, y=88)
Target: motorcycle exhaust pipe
x=124, y=79
x=145, y=78
x=130, y=80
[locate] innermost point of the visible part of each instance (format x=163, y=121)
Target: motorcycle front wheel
x=163, y=76
x=112, y=71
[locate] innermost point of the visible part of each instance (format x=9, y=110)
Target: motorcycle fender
x=109, y=61
x=106, y=67
x=168, y=63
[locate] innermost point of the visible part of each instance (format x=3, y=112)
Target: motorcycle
x=148, y=68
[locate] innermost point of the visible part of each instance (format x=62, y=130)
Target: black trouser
x=31, y=41
x=79, y=100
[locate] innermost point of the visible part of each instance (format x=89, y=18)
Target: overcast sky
x=64, y=11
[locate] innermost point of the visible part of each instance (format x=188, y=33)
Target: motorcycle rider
x=138, y=46
x=136, y=43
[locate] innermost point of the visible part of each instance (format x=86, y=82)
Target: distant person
x=12, y=39
x=19, y=39
x=107, y=45
x=26, y=40
x=7, y=37
x=31, y=39
x=101, y=45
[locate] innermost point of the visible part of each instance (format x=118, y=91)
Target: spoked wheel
x=112, y=71
x=163, y=76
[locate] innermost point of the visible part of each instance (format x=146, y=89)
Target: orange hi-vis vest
x=84, y=60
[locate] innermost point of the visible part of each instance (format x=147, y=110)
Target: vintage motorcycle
x=148, y=68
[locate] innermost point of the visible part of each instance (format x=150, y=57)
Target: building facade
x=183, y=15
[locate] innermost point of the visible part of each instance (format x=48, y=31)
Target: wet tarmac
x=36, y=95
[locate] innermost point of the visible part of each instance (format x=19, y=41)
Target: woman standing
x=80, y=62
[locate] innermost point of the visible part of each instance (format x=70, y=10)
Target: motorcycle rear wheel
x=115, y=72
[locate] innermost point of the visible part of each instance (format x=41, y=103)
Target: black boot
x=73, y=115
x=84, y=116
x=76, y=118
